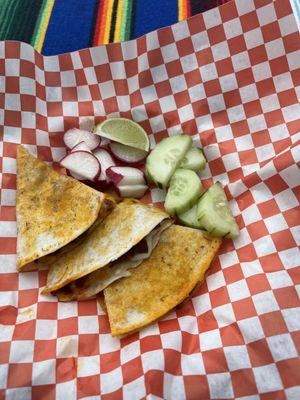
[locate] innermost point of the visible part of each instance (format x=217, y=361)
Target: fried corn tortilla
x=52, y=209
x=124, y=227
x=161, y=282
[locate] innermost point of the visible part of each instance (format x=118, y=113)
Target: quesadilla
x=161, y=282
x=45, y=261
x=112, y=249
x=89, y=285
x=52, y=209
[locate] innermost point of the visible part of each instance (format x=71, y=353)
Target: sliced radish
x=81, y=146
x=136, y=191
x=87, y=124
x=104, y=141
x=74, y=136
x=105, y=161
x=127, y=154
x=125, y=176
x=76, y=176
x=82, y=163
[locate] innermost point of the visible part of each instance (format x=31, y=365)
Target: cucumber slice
x=184, y=191
x=165, y=158
x=194, y=160
x=190, y=218
x=214, y=213
x=148, y=176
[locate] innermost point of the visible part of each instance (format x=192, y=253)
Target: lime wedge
x=125, y=131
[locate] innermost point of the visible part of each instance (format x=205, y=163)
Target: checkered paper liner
x=230, y=78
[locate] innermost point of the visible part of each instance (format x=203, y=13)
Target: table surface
x=55, y=27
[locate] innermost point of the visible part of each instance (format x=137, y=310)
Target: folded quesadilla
x=93, y=283
x=52, y=209
x=112, y=249
x=164, y=280
x=106, y=208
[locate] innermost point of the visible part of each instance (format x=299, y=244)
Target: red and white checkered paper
x=230, y=78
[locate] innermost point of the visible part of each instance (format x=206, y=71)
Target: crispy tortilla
x=89, y=285
x=161, y=282
x=52, y=209
x=124, y=227
x=45, y=262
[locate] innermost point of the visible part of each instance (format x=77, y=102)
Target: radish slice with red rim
x=74, y=136
x=105, y=161
x=104, y=141
x=136, y=191
x=127, y=154
x=125, y=176
x=81, y=146
x=82, y=163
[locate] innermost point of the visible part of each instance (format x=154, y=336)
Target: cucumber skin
x=148, y=176
x=175, y=213
x=173, y=209
x=234, y=232
x=149, y=161
x=150, y=179
x=189, y=218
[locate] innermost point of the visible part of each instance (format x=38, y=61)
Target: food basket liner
x=230, y=78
